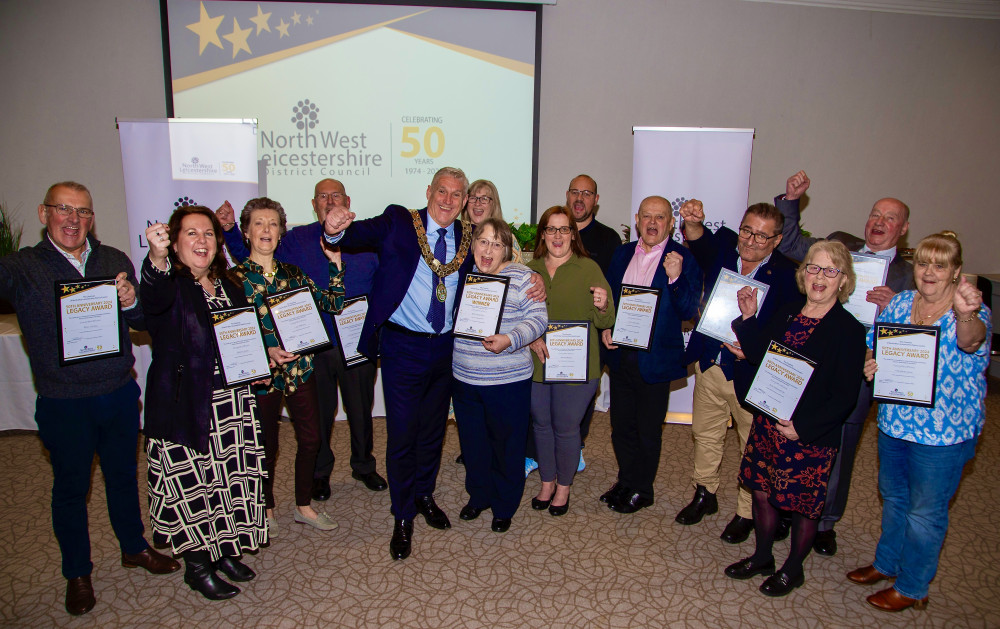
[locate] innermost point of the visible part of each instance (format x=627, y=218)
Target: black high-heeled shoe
x=558, y=510
x=540, y=505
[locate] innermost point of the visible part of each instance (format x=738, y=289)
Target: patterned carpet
x=591, y=568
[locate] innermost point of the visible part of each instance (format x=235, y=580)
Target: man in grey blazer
x=887, y=223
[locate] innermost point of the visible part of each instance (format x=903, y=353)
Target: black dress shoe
x=704, y=503
x=738, y=530
x=372, y=480
x=630, y=503
x=235, y=569
x=826, y=543
x=402, y=537
x=470, y=513
x=781, y=583
x=784, y=528
x=434, y=516
x=200, y=576
x=321, y=488
x=460, y=459
x=500, y=525
x=612, y=494
x=540, y=505
x=79, y=595
x=746, y=568
x=560, y=509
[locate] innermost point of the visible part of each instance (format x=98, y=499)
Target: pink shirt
x=643, y=265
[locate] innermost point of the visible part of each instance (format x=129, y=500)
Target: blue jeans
x=916, y=482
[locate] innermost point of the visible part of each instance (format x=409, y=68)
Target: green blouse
x=568, y=296
x=290, y=376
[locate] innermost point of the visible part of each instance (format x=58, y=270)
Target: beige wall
x=870, y=104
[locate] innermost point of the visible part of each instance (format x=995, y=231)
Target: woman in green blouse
x=263, y=224
x=576, y=290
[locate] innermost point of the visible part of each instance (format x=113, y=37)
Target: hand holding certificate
x=481, y=306
x=348, y=325
x=907, y=363
x=568, y=344
x=87, y=312
x=780, y=381
x=297, y=322
x=870, y=271
x=722, y=306
x=636, y=317
x=240, y=346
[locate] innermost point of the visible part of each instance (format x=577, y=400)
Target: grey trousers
x=556, y=413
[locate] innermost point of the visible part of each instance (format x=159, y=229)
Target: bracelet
x=971, y=317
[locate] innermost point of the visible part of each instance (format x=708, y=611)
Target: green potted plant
x=10, y=241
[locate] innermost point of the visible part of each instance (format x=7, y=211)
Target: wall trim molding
x=980, y=9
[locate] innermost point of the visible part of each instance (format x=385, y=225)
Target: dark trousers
x=73, y=430
x=843, y=465
x=303, y=406
x=637, y=413
x=417, y=383
x=357, y=389
x=492, y=428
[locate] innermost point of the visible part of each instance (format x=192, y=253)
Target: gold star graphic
x=206, y=28
x=296, y=18
x=238, y=38
x=282, y=29
x=261, y=21
x=309, y=20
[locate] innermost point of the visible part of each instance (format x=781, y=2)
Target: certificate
x=870, y=271
x=296, y=321
x=636, y=316
x=568, y=343
x=88, y=320
x=907, y=363
x=720, y=310
x=780, y=381
x=348, y=326
x=239, y=344
x=481, y=305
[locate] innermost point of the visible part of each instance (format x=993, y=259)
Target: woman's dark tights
x=765, y=520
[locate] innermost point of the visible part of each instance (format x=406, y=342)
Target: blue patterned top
x=960, y=400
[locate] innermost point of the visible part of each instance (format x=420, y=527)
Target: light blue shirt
x=412, y=312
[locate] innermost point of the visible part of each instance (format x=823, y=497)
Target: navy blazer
x=715, y=252
x=394, y=238
x=678, y=302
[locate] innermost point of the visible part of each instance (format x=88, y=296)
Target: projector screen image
x=376, y=96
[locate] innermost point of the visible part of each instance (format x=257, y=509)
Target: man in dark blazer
x=423, y=258
x=888, y=221
x=640, y=380
x=722, y=375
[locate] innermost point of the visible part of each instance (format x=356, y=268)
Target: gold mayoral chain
x=442, y=270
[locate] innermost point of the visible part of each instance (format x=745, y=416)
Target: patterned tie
x=435, y=313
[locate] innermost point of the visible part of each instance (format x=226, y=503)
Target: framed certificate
x=721, y=308
x=780, y=381
x=871, y=271
x=347, y=326
x=239, y=345
x=907, y=363
x=568, y=343
x=636, y=316
x=296, y=321
x=480, y=307
x=88, y=323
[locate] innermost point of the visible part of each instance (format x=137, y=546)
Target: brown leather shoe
x=152, y=561
x=867, y=575
x=79, y=596
x=889, y=600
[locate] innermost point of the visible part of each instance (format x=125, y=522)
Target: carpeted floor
x=591, y=568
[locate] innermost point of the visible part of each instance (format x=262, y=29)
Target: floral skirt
x=792, y=474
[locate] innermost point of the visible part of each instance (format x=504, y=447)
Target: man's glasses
x=65, y=210
x=329, y=196
x=829, y=271
x=586, y=194
x=565, y=231
x=760, y=239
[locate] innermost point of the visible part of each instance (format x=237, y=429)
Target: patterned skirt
x=793, y=475
x=213, y=501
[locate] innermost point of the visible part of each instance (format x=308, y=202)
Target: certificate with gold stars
x=239, y=344
x=88, y=326
x=780, y=381
x=907, y=363
x=568, y=344
x=636, y=317
x=297, y=322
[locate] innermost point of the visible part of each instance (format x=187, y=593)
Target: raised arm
x=793, y=243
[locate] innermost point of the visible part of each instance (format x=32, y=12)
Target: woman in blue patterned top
x=922, y=451
x=263, y=224
x=492, y=386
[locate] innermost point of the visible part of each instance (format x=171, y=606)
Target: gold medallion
x=442, y=292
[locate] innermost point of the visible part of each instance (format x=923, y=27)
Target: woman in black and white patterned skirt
x=206, y=459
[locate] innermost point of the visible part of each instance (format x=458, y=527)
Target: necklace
x=930, y=316
x=441, y=270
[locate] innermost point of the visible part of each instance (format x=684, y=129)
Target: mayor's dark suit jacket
x=715, y=252
x=838, y=347
x=795, y=245
x=394, y=238
x=180, y=380
x=678, y=302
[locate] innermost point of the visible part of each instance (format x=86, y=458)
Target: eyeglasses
x=480, y=200
x=760, y=239
x=586, y=194
x=65, y=210
x=490, y=245
x=329, y=196
x=829, y=271
x=565, y=231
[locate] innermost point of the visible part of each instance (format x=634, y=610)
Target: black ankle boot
x=235, y=569
x=200, y=574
